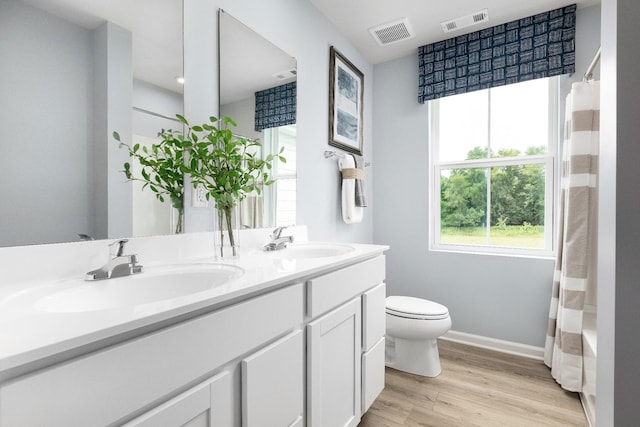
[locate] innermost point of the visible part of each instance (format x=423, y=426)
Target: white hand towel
x=350, y=212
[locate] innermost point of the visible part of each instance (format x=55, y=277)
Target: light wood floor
x=477, y=387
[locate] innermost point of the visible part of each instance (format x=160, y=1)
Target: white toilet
x=413, y=324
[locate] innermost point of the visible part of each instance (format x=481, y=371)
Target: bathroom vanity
x=294, y=339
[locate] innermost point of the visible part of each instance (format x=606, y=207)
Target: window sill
x=500, y=252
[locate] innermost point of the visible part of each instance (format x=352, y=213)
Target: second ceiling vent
x=465, y=21
x=392, y=32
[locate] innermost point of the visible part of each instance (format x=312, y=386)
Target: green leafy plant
x=162, y=168
x=502, y=222
x=227, y=166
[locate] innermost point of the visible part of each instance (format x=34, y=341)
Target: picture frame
x=346, y=87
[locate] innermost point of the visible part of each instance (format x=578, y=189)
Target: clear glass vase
x=226, y=236
x=177, y=219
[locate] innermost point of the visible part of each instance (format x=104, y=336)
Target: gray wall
x=618, y=375
x=46, y=118
x=494, y=296
x=303, y=32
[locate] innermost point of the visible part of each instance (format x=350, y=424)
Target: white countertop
x=29, y=334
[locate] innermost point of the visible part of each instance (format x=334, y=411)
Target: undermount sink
x=313, y=250
x=153, y=285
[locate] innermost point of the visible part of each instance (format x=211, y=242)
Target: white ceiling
x=353, y=18
x=156, y=27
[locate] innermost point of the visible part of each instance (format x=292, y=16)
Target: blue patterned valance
x=539, y=46
x=276, y=107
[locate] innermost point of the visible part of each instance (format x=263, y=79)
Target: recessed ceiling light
x=180, y=80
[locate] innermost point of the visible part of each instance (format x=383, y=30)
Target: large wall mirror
x=73, y=71
x=258, y=90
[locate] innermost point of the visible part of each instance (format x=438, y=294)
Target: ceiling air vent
x=392, y=32
x=465, y=21
x=287, y=74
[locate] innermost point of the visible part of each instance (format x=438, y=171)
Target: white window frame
x=549, y=160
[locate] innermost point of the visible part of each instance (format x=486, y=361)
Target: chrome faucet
x=277, y=240
x=119, y=264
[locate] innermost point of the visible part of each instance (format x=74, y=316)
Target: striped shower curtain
x=576, y=244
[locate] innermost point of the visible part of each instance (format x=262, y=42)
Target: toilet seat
x=415, y=308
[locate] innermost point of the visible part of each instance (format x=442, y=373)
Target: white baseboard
x=589, y=410
x=502, y=346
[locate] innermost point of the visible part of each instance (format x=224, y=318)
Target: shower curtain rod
x=589, y=74
x=153, y=113
x=162, y=116
x=237, y=135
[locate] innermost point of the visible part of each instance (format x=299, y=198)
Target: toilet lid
x=415, y=308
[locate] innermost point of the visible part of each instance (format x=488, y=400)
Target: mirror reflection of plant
x=227, y=166
x=162, y=168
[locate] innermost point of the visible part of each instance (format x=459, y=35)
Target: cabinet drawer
x=373, y=315
x=329, y=291
x=106, y=386
x=372, y=374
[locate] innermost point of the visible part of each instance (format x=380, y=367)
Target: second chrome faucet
x=277, y=240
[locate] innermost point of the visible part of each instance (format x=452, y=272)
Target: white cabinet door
x=208, y=404
x=273, y=384
x=334, y=357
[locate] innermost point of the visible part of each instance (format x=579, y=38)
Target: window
x=280, y=198
x=492, y=158
x=276, y=204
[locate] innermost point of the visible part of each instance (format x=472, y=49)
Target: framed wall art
x=346, y=84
